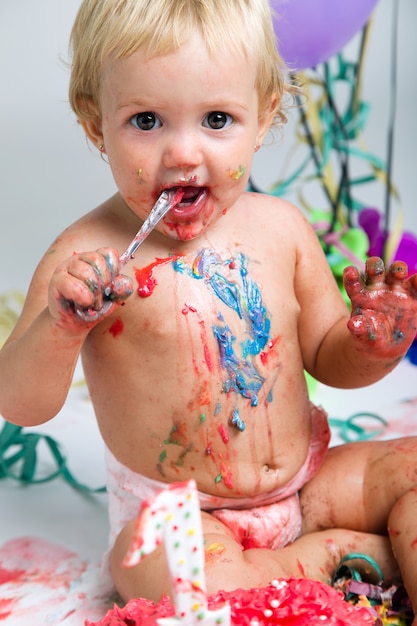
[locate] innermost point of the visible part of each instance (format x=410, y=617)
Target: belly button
x=266, y=468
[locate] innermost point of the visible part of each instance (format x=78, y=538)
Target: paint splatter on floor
x=44, y=583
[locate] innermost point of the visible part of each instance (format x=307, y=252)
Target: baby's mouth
x=191, y=203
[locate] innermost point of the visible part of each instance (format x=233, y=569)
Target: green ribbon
x=19, y=458
x=350, y=430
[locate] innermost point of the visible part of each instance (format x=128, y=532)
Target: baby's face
x=181, y=120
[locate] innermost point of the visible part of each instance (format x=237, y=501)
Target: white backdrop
x=48, y=174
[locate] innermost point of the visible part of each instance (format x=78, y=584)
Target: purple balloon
x=309, y=32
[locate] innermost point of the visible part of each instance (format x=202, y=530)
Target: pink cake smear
x=172, y=517
x=295, y=602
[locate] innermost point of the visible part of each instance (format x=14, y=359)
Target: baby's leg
x=402, y=528
x=229, y=567
x=369, y=487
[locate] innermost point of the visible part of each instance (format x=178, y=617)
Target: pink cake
x=172, y=517
x=295, y=602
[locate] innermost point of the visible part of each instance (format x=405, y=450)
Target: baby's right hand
x=85, y=288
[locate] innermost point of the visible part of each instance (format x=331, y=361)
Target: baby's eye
x=145, y=121
x=218, y=120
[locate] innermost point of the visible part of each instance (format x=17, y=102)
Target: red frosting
x=290, y=602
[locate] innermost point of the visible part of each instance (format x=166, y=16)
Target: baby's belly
x=225, y=462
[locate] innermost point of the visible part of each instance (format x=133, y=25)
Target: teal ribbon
x=358, y=556
x=350, y=430
x=19, y=458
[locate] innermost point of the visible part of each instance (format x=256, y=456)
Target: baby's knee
x=148, y=579
x=403, y=513
x=121, y=575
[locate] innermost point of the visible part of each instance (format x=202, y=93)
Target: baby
x=195, y=354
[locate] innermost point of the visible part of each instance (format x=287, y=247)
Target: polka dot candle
x=173, y=517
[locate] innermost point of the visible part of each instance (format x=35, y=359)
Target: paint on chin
x=193, y=228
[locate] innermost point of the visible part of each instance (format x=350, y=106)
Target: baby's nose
x=182, y=151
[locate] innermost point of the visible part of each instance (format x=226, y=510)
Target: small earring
x=102, y=152
x=256, y=148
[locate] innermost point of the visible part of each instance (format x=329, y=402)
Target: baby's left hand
x=384, y=307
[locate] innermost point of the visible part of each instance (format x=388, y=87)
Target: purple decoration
x=371, y=222
x=407, y=251
x=309, y=32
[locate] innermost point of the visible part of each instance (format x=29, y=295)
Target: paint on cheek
x=237, y=174
x=116, y=328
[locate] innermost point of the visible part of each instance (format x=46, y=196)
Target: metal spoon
x=165, y=202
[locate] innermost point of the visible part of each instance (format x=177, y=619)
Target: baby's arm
x=38, y=360
x=340, y=348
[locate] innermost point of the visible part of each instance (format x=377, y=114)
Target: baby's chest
x=218, y=312
x=228, y=289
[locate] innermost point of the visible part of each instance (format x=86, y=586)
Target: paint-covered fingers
x=384, y=307
x=120, y=286
x=397, y=273
x=375, y=276
x=356, y=282
x=411, y=285
x=374, y=271
x=86, y=285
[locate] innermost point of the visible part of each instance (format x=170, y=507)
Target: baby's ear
x=90, y=119
x=266, y=119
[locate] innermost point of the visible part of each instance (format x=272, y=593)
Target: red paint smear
x=6, y=605
x=7, y=575
x=145, y=279
x=264, y=356
x=204, y=396
x=178, y=434
x=117, y=327
x=301, y=568
x=414, y=544
x=187, y=308
x=207, y=355
x=227, y=476
x=223, y=433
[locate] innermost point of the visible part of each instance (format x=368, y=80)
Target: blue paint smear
x=242, y=296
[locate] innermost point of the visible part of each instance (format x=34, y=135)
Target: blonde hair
x=106, y=29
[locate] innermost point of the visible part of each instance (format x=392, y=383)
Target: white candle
x=173, y=516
